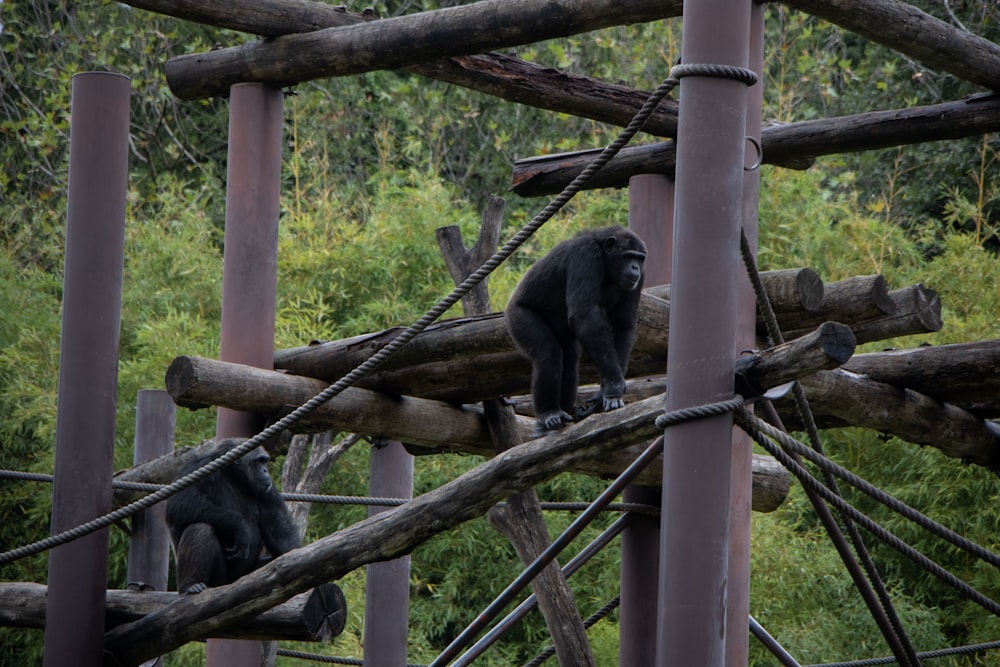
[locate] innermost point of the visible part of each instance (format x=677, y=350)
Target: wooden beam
x=781, y=144
x=425, y=426
x=794, y=291
x=386, y=536
x=907, y=414
x=404, y=40
x=503, y=76
x=904, y=28
x=966, y=375
x=471, y=359
x=317, y=615
x=200, y=382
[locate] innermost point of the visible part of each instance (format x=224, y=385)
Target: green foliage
x=374, y=164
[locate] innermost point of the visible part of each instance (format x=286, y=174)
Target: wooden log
x=318, y=615
x=910, y=31
x=966, y=375
x=386, y=536
x=907, y=414
x=503, y=76
x=430, y=425
x=917, y=311
x=463, y=360
x=473, y=359
x=789, y=291
x=828, y=346
x=851, y=300
x=781, y=144
x=199, y=382
x=396, y=42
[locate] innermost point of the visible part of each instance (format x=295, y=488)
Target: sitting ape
x=585, y=293
x=220, y=525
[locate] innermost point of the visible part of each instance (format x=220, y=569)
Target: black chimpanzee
x=220, y=525
x=585, y=293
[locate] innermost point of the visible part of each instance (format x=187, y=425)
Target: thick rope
x=588, y=623
x=923, y=655
x=748, y=423
x=372, y=363
x=806, y=414
x=893, y=503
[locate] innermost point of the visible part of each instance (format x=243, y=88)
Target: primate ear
x=609, y=243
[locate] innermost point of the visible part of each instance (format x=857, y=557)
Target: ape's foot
x=550, y=422
x=194, y=588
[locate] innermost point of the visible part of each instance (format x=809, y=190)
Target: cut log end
x=837, y=341
x=325, y=612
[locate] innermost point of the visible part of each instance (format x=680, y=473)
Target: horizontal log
x=780, y=144
x=851, y=300
x=404, y=40
x=463, y=360
x=907, y=414
x=385, y=536
x=425, y=425
x=788, y=290
x=500, y=75
x=966, y=375
x=917, y=311
x=318, y=615
x=770, y=482
x=199, y=382
x=467, y=360
x=910, y=31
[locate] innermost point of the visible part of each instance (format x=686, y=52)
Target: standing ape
x=585, y=293
x=220, y=525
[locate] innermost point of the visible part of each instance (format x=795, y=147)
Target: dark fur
x=220, y=525
x=585, y=293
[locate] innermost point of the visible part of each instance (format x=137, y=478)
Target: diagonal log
x=386, y=536
x=966, y=375
x=904, y=28
x=399, y=41
x=503, y=76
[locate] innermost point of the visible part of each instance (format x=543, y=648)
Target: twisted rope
x=748, y=423
x=812, y=430
x=372, y=363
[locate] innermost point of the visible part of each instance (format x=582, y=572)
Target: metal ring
x=760, y=154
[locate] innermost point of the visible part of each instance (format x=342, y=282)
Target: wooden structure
x=943, y=397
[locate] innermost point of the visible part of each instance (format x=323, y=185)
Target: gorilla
x=220, y=525
x=585, y=293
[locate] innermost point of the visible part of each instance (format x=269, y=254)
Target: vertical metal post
x=650, y=215
x=387, y=588
x=149, y=545
x=694, y=549
x=250, y=272
x=88, y=365
x=738, y=611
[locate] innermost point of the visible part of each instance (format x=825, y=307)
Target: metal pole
x=650, y=215
x=88, y=368
x=149, y=545
x=250, y=273
x=738, y=610
x=694, y=547
x=387, y=588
